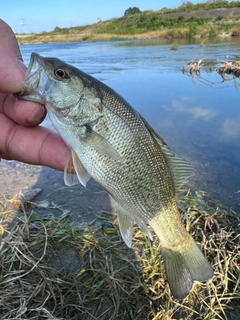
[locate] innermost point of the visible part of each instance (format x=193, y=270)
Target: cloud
x=184, y=105
x=231, y=128
x=200, y=113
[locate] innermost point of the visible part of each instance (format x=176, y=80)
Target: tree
x=132, y=10
x=187, y=4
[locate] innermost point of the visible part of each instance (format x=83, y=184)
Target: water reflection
x=198, y=118
x=231, y=128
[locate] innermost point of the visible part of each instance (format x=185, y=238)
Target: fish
x=113, y=144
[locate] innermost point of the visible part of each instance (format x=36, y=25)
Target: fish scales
x=114, y=144
x=129, y=141
x=133, y=166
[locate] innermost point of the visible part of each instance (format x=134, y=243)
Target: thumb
x=11, y=65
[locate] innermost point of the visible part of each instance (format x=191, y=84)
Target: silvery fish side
x=114, y=145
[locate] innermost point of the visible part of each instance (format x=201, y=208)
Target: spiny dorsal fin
x=180, y=169
x=81, y=175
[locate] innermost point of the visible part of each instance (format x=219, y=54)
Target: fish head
x=53, y=83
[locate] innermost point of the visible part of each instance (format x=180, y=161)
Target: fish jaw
x=35, y=81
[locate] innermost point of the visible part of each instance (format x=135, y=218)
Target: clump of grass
x=51, y=270
x=85, y=38
x=174, y=46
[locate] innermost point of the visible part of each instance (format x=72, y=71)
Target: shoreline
x=90, y=37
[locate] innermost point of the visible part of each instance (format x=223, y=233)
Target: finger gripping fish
x=114, y=144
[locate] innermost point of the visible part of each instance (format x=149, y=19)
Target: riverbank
x=88, y=36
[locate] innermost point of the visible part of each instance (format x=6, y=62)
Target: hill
x=186, y=21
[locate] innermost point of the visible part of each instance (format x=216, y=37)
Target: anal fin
x=142, y=225
x=125, y=224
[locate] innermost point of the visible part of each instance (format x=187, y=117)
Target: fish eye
x=61, y=73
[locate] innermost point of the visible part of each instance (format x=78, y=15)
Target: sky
x=44, y=15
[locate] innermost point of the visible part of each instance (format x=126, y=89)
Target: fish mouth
x=35, y=81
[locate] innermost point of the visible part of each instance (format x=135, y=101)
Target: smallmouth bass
x=114, y=144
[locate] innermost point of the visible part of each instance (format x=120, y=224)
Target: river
x=198, y=117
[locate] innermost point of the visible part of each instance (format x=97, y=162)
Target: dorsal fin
x=181, y=170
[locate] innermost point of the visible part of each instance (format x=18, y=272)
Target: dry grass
x=87, y=35
x=50, y=270
x=228, y=70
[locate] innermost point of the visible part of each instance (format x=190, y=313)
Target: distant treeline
x=187, y=6
x=135, y=21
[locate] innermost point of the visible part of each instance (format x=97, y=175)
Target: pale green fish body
x=114, y=145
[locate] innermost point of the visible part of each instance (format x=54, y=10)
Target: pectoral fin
x=99, y=143
x=81, y=175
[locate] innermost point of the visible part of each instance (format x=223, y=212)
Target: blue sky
x=45, y=15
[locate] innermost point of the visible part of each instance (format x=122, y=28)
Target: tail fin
x=182, y=268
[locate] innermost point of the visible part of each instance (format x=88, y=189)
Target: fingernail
x=37, y=115
x=21, y=66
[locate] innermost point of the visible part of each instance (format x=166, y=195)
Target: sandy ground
x=82, y=204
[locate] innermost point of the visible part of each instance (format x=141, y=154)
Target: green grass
x=174, y=46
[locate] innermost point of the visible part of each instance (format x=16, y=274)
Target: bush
x=132, y=10
x=192, y=31
x=212, y=33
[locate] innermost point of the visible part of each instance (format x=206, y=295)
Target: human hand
x=20, y=136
